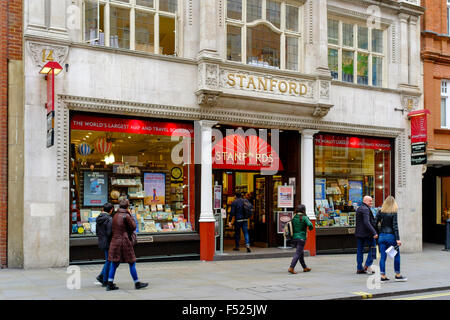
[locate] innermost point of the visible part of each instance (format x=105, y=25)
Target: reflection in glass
x=347, y=34
x=333, y=31
x=363, y=38
x=333, y=63
x=291, y=18
x=377, y=71
x=168, y=5
x=234, y=43
x=145, y=3
x=292, y=53
x=347, y=66
x=234, y=9
x=273, y=12
x=363, y=68
x=377, y=41
x=254, y=10
x=263, y=47
x=145, y=36
x=120, y=28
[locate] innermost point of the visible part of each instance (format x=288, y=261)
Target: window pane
x=273, y=12
x=443, y=112
x=292, y=53
x=377, y=71
x=444, y=87
x=168, y=5
x=234, y=43
x=377, y=40
x=145, y=36
x=363, y=38
x=146, y=3
x=166, y=35
x=234, y=9
x=333, y=62
x=363, y=69
x=347, y=66
x=120, y=28
x=347, y=34
x=263, y=47
x=254, y=10
x=333, y=31
x=91, y=21
x=292, y=18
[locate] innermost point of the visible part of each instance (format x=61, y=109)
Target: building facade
x=146, y=85
x=436, y=69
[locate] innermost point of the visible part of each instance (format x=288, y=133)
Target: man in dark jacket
x=104, y=233
x=238, y=216
x=365, y=234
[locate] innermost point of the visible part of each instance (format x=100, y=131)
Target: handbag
x=131, y=235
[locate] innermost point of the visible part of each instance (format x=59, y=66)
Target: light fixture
x=49, y=66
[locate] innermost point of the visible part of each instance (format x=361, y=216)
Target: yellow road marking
x=364, y=295
x=437, y=295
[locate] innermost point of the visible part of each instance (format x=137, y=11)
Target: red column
x=311, y=240
x=207, y=241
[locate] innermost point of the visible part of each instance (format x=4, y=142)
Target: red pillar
x=311, y=240
x=207, y=241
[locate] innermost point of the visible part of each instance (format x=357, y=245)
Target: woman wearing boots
x=121, y=248
x=300, y=222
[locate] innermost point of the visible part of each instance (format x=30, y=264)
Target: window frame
x=340, y=47
x=445, y=94
x=133, y=7
x=282, y=31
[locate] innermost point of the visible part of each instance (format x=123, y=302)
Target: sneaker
x=248, y=250
x=235, y=249
x=401, y=279
x=361, y=272
x=139, y=285
x=384, y=279
x=111, y=286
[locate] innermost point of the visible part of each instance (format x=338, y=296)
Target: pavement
x=332, y=277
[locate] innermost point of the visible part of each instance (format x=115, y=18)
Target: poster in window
x=285, y=196
x=95, y=188
x=320, y=189
x=355, y=193
x=155, y=188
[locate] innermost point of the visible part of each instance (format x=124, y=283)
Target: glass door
x=260, y=214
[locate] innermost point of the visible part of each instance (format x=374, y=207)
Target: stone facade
x=195, y=85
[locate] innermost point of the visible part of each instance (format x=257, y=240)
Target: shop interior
x=110, y=166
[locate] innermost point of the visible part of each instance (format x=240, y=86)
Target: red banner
x=91, y=123
x=418, y=126
x=327, y=140
x=50, y=90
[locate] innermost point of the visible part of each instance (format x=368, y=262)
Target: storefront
x=139, y=159
x=346, y=169
x=256, y=168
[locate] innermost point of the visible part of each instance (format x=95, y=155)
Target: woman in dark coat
x=121, y=248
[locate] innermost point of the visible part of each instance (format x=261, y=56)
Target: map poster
x=155, y=188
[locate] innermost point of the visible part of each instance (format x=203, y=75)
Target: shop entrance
x=261, y=191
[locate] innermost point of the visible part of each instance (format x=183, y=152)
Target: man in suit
x=365, y=234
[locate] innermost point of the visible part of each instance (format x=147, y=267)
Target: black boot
x=100, y=278
x=111, y=286
x=139, y=285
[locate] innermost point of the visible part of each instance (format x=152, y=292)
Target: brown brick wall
x=10, y=49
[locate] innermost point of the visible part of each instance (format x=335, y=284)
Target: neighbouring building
x=436, y=72
x=137, y=81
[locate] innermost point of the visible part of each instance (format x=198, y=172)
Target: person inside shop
x=300, y=224
x=121, y=248
x=389, y=236
x=239, y=214
x=365, y=233
x=104, y=232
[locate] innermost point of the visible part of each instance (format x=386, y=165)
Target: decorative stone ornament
x=43, y=53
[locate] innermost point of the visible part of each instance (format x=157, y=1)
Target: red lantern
x=103, y=146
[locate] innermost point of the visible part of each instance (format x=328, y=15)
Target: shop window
x=346, y=170
x=273, y=39
x=356, y=46
x=443, y=200
x=150, y=16
x=116, y=158
x=445, y=107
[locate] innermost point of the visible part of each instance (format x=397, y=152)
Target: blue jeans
x=115, y=265
x=385, y=241
x=299, y=254
x=361, y=242
x=106, y=266
x=237, y=233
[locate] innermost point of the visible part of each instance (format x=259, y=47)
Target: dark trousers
x=299, y=254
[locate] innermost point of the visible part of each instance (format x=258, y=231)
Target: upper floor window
x=355, y=52
x=142, y=25
x=264, y=33
x=445, y=104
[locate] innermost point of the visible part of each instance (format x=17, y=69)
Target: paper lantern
x=102, y=146
x=84, y=149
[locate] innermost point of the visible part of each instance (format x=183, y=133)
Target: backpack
x=288, y=230
x=248, y=209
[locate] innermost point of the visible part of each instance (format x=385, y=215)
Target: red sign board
x=50, y=91
x=238, y=152
x=352, y=142
x=92, y=123
x=418, y=126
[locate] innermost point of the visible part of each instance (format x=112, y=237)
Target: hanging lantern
x=103, y=146
x=84, y=149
